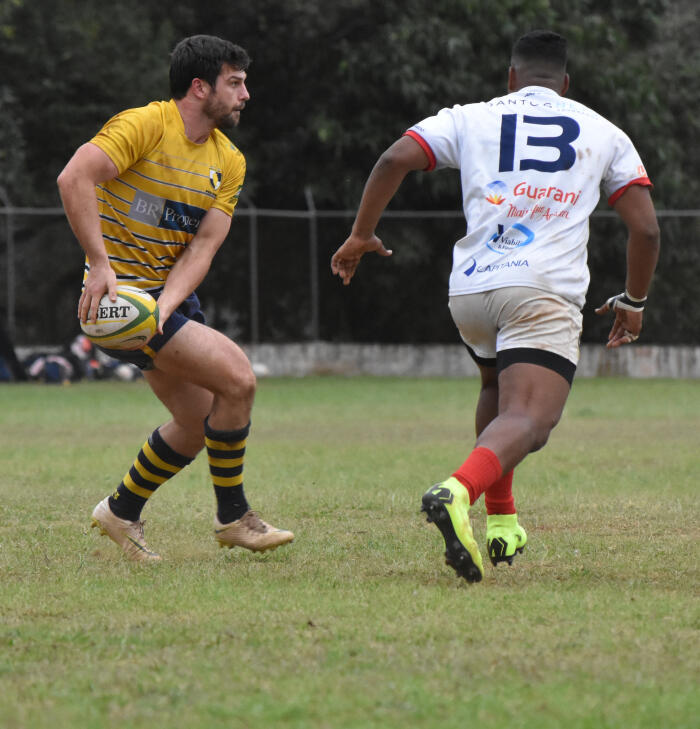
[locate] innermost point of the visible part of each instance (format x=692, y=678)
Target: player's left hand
x=627, y=324
x=346, y=259
x=163, y=316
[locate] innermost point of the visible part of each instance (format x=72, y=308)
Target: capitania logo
x=496, y=192
x=215, y=178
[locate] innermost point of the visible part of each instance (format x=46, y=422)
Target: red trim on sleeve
x=643, y=181
x=425, y=147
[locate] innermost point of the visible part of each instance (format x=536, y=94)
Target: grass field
x=358, y=623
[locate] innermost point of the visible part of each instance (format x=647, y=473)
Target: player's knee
x=240, y=383
x=248, y=383
x=538, y=441
x=541, y=428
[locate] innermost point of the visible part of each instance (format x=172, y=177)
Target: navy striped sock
x=225, y=450
x=154, y=465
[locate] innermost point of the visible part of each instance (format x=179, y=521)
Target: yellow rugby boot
x=504, y=537
x=127, y=534
x=250, y=532
x=447, y=506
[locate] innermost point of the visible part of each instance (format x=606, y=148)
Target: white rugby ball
x=127, y=323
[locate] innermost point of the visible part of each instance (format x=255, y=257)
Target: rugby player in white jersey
x=532, y=164
x=150, y=200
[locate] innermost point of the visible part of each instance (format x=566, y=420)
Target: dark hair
x=202, y=56
x=540, y=48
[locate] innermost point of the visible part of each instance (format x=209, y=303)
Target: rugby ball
x=127, y=323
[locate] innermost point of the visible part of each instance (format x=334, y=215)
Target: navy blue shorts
x=189, y=310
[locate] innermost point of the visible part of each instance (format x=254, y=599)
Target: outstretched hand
x=346, y=259
x=627, y=324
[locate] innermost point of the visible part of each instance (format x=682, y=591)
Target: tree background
x=332, y=85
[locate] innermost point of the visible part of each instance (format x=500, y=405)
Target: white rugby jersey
x=532, y=164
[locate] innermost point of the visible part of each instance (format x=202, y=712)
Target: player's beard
x=222, y=118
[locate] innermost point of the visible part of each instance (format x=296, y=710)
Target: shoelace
x=139, y=530
x=255, y=523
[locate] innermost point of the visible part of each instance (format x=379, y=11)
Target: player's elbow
x=648, y=236
x=62, y=180
x=390, y=160
x=403, y=156
x=653, y=234
x=67, y=179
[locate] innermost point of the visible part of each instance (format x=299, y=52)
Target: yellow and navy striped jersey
x=165, y=184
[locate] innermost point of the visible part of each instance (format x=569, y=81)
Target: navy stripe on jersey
x=137, y=247
x=113, y=194
x=170, y=184
x=177, y=169
x=121, y=277
x=136, y=262
x=145, y=238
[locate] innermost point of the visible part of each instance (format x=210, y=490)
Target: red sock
x=499, y=496
x=478, y=472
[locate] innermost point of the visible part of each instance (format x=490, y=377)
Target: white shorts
x=518, y=318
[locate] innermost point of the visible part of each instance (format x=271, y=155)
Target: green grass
x=359, y=623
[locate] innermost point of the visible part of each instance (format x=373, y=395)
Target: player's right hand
x=346, y=259
x=100, y=280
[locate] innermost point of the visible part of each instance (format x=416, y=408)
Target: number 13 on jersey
x=569, y=131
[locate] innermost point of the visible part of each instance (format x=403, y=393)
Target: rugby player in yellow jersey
x=150, y=200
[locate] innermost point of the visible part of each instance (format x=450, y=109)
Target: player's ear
x=199, y=87
x=565, y=85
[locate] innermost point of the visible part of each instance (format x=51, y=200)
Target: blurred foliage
x=332, y=85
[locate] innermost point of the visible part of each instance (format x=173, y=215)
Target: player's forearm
x=183, y=279
x=404, y=156
x=382, y=184
x=637, y=211
x=80, y=204
x=642, y=257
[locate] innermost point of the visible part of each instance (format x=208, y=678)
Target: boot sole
x=457, y=555
x=508, y=560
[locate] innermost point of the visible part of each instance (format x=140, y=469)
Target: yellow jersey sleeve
x=131, y=135
x=233, y=174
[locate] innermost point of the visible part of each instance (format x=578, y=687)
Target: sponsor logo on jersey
x=215, y=178
x=168, y=214
x=496, y=192
x=536, y=212
x=505, y=240
x=146, y=208
x=236, y=194
x=491, y=267
x=538, y=193
x=178, y=216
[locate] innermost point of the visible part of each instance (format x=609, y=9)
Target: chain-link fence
x=271, y=280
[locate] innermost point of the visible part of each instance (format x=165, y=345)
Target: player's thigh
x=202, y=356
x=533, y=391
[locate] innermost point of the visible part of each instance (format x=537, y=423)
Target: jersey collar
x=537, y=90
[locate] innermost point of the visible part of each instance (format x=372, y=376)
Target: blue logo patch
x=469, y=270
x=215, y=178
x=182, y=217
x=504, y=241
